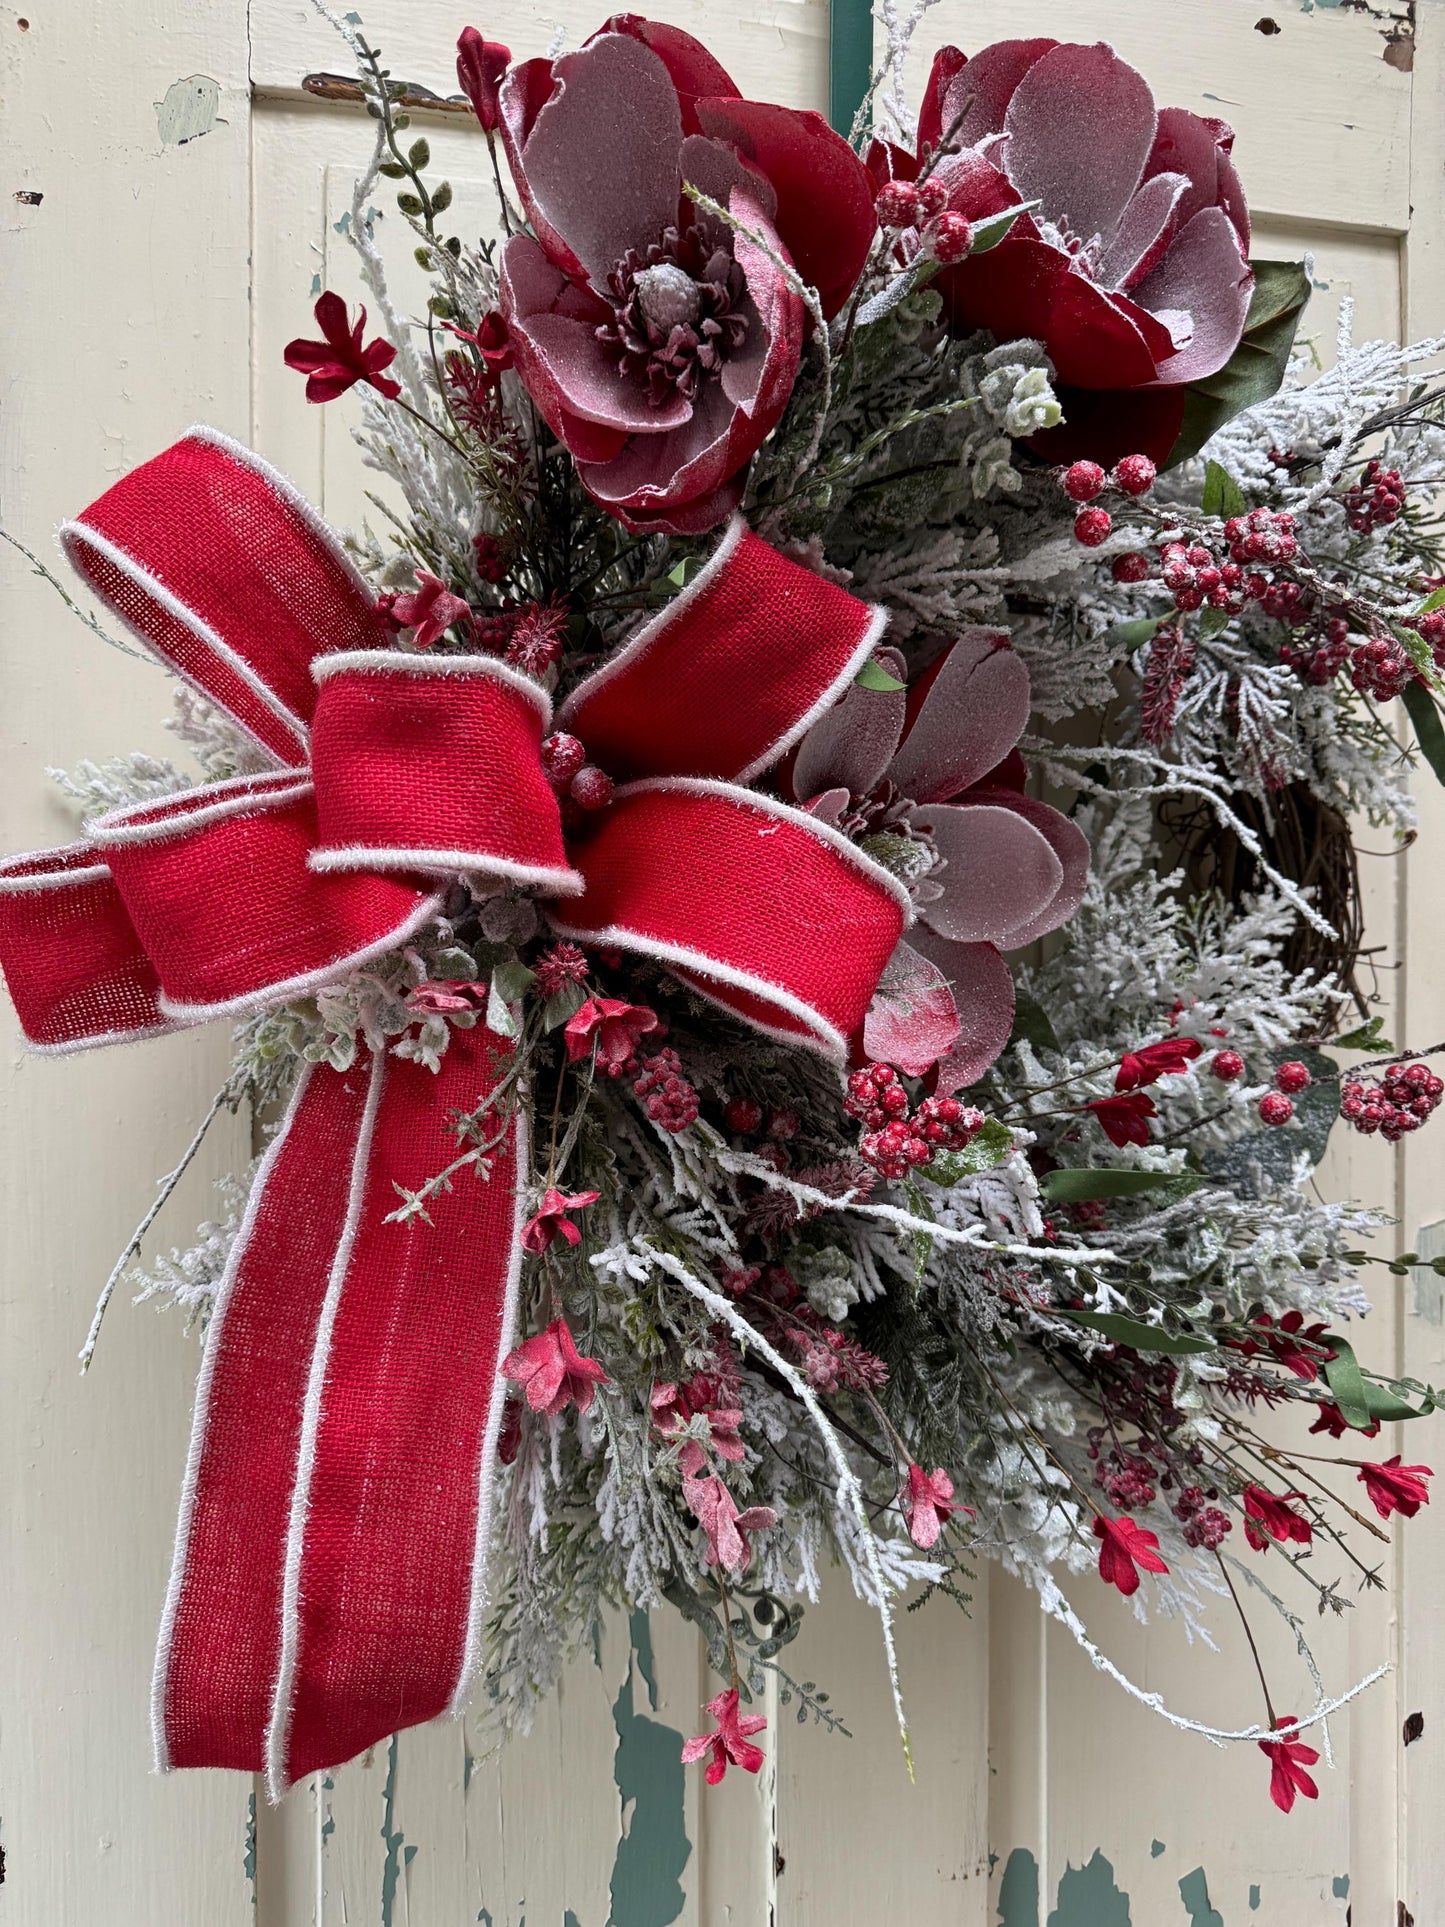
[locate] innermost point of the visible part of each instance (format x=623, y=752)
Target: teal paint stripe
x=850, y=60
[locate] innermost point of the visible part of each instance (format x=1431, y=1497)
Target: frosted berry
x=668, y=1098
x=1133, y=567
x=875, y=1095
x=491, y=561
x=951, y=238
x=784, y=1125
x=932, y=197
x=1092, y=526
x=1291, y=1077
x=1380, y=668
x=1275, y=1108
x=562, y=757
x=1136, y=475
x=895, y=1150
x=1227, y=1065
x=591, y=788
x=1376, y=500
x=743, y=1115
x=898, y=205
x=1082, y=481
x=946, y=1124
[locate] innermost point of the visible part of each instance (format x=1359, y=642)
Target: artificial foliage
x=1021, y=1256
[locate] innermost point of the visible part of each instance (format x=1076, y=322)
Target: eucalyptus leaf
x=562, y=1005
x=994, y=228
x=1032, y=1024
x=1361, y=1402
x=874, y=676
x=1089, y=1185
x=1257, y=367
x=1424, y=713
x=420, y=154
x=1213, y=622
x=1222, y=495
x=1365, y=1037
x=1129, y=635
x=499, y=1012
x=511, y=979
x=1138, y=1336
x=992, y=1145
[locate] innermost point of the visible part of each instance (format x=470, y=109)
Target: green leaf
x=509, y=980
x=1088, y=1185
x=684, y=571
x=1365, y=1037
x=1129, y=635
x=1032, y=1024
x=1257, y=367
x=392, y=170
x=1435, y=600
x=994, y=228
x=420, y=154
x=992, y=1145
x=1140, y=1337
x=1362, y=1402
x=441, y=198
x=1213, y=622
x=423, y=258
x=409, y=204
x=563, y=1004
x=1424, y=713
x=1222, y=496
x=874, y=676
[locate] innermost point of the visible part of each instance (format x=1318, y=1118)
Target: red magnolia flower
x=480, y=66
x=554, y=1371
x=1170, y=1057
x=1288, y=1760
x=1273, y=1512
x=613, y=1026
x=726, y=1527
x=730, y=1744
x=1396, y=1488
x=659, y=343
x=339, y=361
x=1125, y=1548
x=1124, y=1118
x=1133, y=271
x=929, y=1505
x=428, y=611
x=551, y=1218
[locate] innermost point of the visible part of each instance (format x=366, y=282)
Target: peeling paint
x=653, y=1847
x=1088, y=1897
x=1194, y=1892
x=191, y=108
x=1018, y=1896
x=399, y=1855
x=1156, y=1847
x=29, y=196
x=1340, y=1886
x=1254, y=1898
x=248, y=1858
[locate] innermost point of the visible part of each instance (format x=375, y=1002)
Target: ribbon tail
x=330, y=1558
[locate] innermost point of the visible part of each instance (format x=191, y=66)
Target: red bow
x=329, y=1569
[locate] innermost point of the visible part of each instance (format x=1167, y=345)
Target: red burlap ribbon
x=329, y=1572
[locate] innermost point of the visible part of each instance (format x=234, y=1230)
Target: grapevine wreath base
x=783, y=917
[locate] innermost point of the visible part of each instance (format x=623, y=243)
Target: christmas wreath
x=783, y=917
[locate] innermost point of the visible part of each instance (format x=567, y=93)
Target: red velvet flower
x=1133, y=270
x=730, y=1745
x=553, y=1370
x=1273, y=1512
x=659, y=343
x=1332, y=1420
x=936, y=763
x=1124, y=1118
x=613, y=1027
x=1288, y=1759
x=428, y=611
x=551, y=1220
x=1125, y=1549
x=339, y=361
x=726, y=1527
x=1170, y=1057
x=480, y=66
x=929, y=1504
x=1397, y=1488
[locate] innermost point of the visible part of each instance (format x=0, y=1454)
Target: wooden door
x=177, y=197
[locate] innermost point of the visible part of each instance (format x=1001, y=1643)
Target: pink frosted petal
x=983, y=994
x=717, y=169
x=1069, y=845
x=1144, y=233
x=601, y=162
x=531, y=287
x=584, y=373
x=692, y=69
x=1000, y=871
x=1080, y=125
x=1204, y=274
x=976, y=189
x=853, y=744
x=1198, y=148
x=827, y=807
x=982, y=89
x=972, y=714
x=911, y=1021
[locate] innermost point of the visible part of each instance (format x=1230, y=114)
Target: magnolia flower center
x=678, y=313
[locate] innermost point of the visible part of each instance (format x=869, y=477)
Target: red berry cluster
x=909, y=204
x=876, y=1096
x=491, y=558
x=1264, y=535
x=1204, y=1524
x=565, y=765
x=1376, y=500
x=1397, y=1104
x=1319, y=657
x=897, y=1139
x=1127, y=1479
x=1288, y=602
x=1193, y=577
x=669, y=1099
x=1430, y=627
x=1380, y=667
x=1083, y=481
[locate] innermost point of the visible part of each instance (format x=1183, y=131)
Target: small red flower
x=480, y=66
x=613, y=1027
x=1276, y=1515
x=1396, y=1488
x=428, y=611
x=554, y=1371
x=929, y=1504
x=730, y=1745
x=563, y=964
x=491, y=341
x=1170, y=1057
x=1124, y=1118
x=1125, y=1549
x=726, y=1527
x=339, y=361
x=551, y=1218
x=1332, y=1420
x=1288, y=1760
